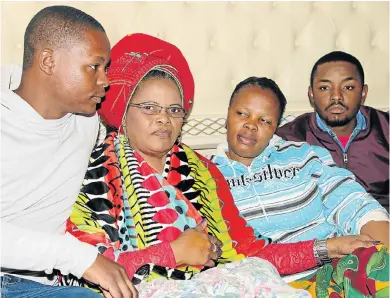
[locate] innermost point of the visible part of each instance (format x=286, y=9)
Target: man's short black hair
x=263, y=83
x=54, y=27
x=337, y=56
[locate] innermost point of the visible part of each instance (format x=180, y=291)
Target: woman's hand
x=111, y=277
x=345, y=245
x=196, y=247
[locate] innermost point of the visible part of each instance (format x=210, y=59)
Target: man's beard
x=338, y=122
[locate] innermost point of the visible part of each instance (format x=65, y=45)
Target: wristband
x=321, y=252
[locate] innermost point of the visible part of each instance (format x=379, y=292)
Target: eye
x=265, y=121
x=324, y=88
x=176, y=110
x=150, y=107
x=94, y=66
x=349, y=87
x=243, y=114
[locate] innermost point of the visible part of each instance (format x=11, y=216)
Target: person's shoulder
x=295, y=130
x=282, y=145
x=303, y=149
x=10, y=76
x=366, y=110
x=298, y=120
x=6, y=95
x=11, y=102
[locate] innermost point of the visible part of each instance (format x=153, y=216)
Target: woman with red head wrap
x=154, y=205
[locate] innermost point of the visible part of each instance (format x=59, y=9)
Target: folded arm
x=347, y=205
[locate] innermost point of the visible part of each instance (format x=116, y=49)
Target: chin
x=245, y=153
x=87, y=114
x=337, y=122
x=246, y=149
x=163, y=149
x=86, y=111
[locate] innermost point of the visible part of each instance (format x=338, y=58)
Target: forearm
x=378, y=230
x=160, y=254
x=345, y=201
x=290, y=258
x=24, y=249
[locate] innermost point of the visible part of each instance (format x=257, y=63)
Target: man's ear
x=364, y=94
x=46, y=61
x=311, y=96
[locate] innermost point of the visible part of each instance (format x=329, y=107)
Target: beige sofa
x=226, y=42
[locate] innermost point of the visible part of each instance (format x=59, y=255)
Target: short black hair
x=263, y=83
x=337, y=56
x=56, y=26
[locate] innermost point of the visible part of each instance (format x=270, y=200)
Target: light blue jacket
x=294, y=191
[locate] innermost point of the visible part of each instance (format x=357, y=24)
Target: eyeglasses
x=151, y=109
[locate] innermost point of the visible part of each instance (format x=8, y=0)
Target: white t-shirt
x=43, y=163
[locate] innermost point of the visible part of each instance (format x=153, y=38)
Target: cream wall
x=225, y=42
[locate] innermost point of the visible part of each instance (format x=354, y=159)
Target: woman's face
x=251, y=122
x=154, y=135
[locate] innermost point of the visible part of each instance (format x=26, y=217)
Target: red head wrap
x=132, y=58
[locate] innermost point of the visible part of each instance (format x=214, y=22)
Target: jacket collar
x=360, y=123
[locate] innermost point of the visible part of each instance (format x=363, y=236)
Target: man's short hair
x=337, y=56
x=263, y=83
x=54, y=27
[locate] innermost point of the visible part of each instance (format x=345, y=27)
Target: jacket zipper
x=345, y=157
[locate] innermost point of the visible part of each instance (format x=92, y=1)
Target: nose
x=251, y=124
x=336, y=94
x=103, y=80
x=163, y=117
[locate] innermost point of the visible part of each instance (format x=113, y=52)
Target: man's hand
x=111, y=277
x=195, y=247
x=341, y=246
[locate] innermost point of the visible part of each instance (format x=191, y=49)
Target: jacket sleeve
x=345, y=201
x=290, y=258
x=159, y=254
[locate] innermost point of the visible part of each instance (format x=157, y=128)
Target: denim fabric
x=16, y=287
